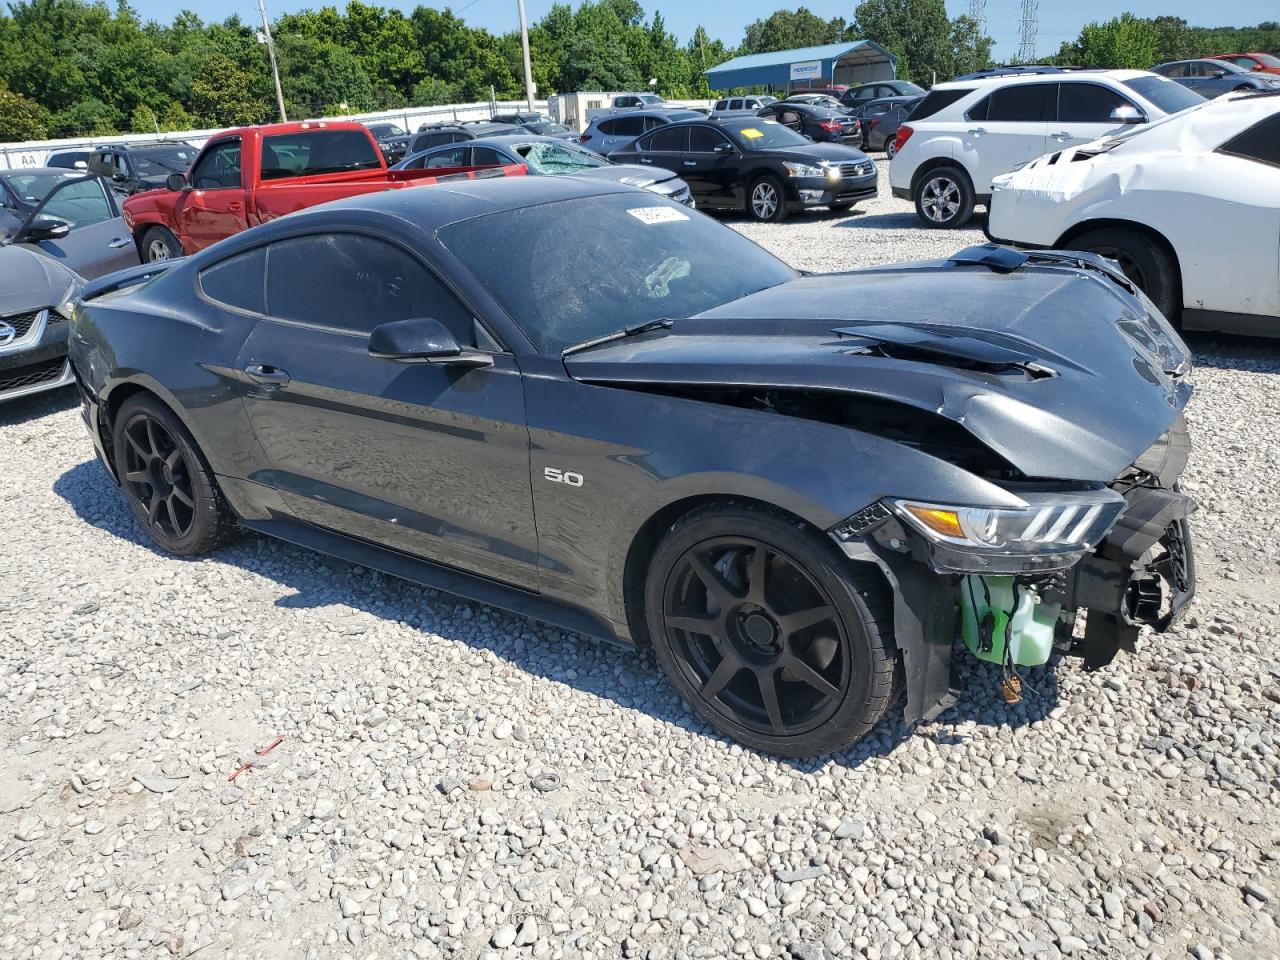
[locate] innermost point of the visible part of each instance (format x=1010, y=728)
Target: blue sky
x=1059, y=19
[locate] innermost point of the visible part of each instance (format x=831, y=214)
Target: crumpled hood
x=632, y=174
x=1057, y=368
x=29, y=281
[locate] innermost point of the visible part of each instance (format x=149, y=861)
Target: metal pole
x=271, y=54
x=528, y=65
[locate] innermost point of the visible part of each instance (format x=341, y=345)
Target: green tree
x=927, y=43
x=787, y=29
x=1125, y=42
x=21, y=119
x=220, y=96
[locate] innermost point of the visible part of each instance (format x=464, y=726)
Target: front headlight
x=1052, y=531
x=803, y=169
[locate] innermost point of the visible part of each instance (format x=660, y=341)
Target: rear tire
x=158, y=243
x=166, y=482
x=769, y=633
x=890, y=147
x=766, y=201
x=1143, y=261
x=944, y=198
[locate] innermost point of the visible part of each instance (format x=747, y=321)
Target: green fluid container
x=1027, y=624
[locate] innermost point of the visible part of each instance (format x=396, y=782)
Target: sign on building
x=807, y=70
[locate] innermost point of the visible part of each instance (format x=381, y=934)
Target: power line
x=1027, y=33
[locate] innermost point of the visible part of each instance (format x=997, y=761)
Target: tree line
x=73, y=68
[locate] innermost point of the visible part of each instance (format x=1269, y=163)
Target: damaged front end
x=1015, y=582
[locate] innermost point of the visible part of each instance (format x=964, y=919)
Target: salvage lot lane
x=1130, y=812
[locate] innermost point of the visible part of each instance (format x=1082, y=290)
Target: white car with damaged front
x=1189, y=207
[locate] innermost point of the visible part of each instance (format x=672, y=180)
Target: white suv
x=967, y=132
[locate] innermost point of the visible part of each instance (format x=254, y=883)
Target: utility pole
x=271, y=54
x=1027, y=37
x=528, y=65
x=978, y=14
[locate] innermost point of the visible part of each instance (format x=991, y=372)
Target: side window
x=628, y=126
x=1246, y=62
x=100, y=164
x=238, y=281
x=1021, y=103
x=721, y=104
x=1087, y=103
x=487, y=157
x=735, y=104
x=80, y=203
x=877, y=109
x=705, y=139
x=453, y=157
x=865, y=93
x=605, y=127
x=1172, y=70
x=672, y=139
x=218, y=167
x=121, y=164
x=354, y=283
x=788, y=117
x=1260, y=143
x=312, y=152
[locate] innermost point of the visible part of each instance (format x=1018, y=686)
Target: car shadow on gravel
x=37, y=405
x=1253, y=354
x=315, y=581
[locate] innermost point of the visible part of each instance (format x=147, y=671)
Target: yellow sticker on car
x=751, y=133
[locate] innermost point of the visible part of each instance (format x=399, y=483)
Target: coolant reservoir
x=994, y=613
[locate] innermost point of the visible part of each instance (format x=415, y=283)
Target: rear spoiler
x=130, y=276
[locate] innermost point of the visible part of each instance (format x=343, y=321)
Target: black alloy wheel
x=768, y=636
x=167, y=484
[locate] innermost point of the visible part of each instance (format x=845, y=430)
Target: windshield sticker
x=656, y=214
x=751, y=133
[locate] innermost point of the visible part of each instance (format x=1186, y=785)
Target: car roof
x=22, y=171
x=647, y=113
x=983, y=83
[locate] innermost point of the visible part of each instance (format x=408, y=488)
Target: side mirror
x=1127, y=114
x=175, y=181
x=48, y=228
x=422, y=340
x=119, y=177
x=1219, y=74
x=723, y=148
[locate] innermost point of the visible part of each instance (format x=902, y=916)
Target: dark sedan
x=819, y=123
x=21, y=192
x=756, y=165
x=599, y=408
x=881, y=119
x=549, y=156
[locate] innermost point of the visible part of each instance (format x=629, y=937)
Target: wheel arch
x=1077, y=230
x=934, y=163
x=112, y=399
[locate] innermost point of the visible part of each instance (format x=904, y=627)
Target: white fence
x=34, y=154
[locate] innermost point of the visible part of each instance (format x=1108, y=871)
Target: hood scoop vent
x=900, y=342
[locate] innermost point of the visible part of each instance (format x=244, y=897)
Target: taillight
x=903, y=135
x=831, y=126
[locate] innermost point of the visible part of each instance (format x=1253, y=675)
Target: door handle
x=1064, y=135
x=690, y=163
x=977, y=131
x=235, y=206
x=119, y=242
x=645, y=160
x=266, y=374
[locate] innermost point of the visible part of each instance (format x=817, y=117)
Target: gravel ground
x=1126, y=813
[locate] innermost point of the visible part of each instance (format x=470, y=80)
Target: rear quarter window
x=937, y=100
x=238, y=282
x=1260, y=143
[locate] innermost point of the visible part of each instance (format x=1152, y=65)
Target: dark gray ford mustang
x=594, y=406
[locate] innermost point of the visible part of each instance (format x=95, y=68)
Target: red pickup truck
x=250, y=175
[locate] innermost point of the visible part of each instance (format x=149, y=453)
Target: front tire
x=768, y=632
x=1150, y=266
x=165, y=480
x=766, y=201
x=158, y=243
x=944, y=198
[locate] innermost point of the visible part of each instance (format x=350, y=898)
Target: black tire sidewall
x=967, y=201
x=865, y=699
x=781, y=211
x=209, y=523
x=1158, y=270
x=160, y=233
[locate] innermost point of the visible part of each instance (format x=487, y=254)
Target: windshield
x=31, y=188
x=765, y=134
x=1267, y=59
x=1169, y=95
x=553, y=158
x=651, y=98
x=578, y=269
x=162, y=161
x=547, y=129
x=386, y=130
